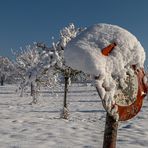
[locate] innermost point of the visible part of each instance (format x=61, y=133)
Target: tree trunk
x=2, y=80
x=33, y=93
x=65, y=92
x=22, y=87
x=110, y=133
x=65, y=110
x=22, y=92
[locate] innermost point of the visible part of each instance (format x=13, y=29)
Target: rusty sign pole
x=111, y=128
x=110, y=133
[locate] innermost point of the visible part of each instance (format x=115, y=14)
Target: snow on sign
x=115, y=58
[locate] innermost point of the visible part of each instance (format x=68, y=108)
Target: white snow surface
x=84, y=53
x=40, y=126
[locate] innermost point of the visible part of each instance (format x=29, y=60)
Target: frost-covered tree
x=66, y=35
x=34, y=68
x=6, y=69
x=26, y=60
x=55, y=56
x=29, y=70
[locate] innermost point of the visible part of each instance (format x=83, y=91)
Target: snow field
x=40, y=125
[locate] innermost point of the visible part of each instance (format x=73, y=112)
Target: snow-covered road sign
x=130, y=98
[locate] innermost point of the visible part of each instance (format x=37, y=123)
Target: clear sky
x=25, y=21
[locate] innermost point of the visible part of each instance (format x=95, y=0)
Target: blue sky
x=25, y=21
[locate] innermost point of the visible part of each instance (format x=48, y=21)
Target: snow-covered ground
x=40, y=125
